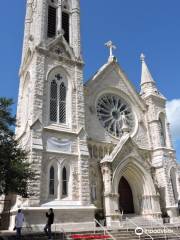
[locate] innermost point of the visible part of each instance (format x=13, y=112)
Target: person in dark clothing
x=50, y=220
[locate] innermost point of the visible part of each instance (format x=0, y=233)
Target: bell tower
x=50, y=112
x=46, y=20
x=164, y=165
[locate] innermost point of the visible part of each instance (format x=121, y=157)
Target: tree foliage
x=15, y=171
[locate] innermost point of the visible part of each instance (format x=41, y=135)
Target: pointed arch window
x=162, y=133
x=64, y=182
x=62, y=103
x=173, y=183
x=51, y=27
x=65, y=25
x=53, y=101
x=58, y=103
x=93, y=192
x=51, y=181
x=93, y=184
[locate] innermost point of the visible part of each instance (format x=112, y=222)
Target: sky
x=134, y=26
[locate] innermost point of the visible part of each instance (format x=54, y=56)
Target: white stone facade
x=78, y=161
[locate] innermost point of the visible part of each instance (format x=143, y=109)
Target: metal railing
x=103, y=228
x=127, y=219
x=61, y=229
x=121, y=213
x=166, y=229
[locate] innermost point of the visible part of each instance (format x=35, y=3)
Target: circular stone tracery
x=112, y=112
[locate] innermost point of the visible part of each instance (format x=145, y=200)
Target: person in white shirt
x=19, y=219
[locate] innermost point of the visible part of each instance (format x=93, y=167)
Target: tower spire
x=146, y=76
x=148, y=85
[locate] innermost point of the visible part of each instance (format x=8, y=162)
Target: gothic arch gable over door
x=138, y=188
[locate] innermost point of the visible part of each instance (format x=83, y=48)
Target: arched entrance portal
x=125, y=197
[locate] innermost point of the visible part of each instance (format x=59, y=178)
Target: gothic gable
x=58, y=47
x=127, y=148
x=110, y=75
x=110, y=79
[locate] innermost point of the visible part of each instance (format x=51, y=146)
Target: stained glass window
x=53, y=101
x=112, y=110
x=57, y=101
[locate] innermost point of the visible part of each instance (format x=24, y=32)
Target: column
x=59, y=17
x=75, y=40
x=110, y=199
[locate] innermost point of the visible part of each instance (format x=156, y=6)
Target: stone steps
x=57, y=236
x=35, y=236
x=130, y=234
x=120, y=234
x=138, y=220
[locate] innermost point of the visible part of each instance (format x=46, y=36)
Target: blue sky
x=152, y=27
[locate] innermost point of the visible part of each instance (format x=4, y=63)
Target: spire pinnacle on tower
x=142, y=57
x=111, y=47
x=148, y=85
x=146, y=76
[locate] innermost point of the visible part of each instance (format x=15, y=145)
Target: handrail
x=64, y=233
x=121, y=212
x=164, y=226
x=103, y=228
x=55, y=231
x=174, y=226
x=138, y=226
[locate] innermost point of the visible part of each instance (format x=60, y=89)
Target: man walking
x=50, y=220
x=19, y=219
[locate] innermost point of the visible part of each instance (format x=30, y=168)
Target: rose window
x=113, y=112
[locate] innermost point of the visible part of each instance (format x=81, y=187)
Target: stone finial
x=142, y=57
x=111, y=47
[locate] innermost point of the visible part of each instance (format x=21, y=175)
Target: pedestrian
x=19, y=219
x=50, y=220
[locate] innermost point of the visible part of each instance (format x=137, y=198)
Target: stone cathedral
x=95, y=147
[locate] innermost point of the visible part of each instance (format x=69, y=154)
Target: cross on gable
x=111, y=47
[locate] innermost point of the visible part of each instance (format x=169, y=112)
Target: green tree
x=15, y=171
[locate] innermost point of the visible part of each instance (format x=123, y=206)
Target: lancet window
x=58, y=93
x=64, y=182
x=65, y=25
x=162, y=131
x=51, y=181
x=173, y=183
x=53, y=19
x=66, y=20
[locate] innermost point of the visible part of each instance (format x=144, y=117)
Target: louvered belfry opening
x=65, y=25
x=51, y=22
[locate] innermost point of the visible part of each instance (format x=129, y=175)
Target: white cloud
x=173, y=115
